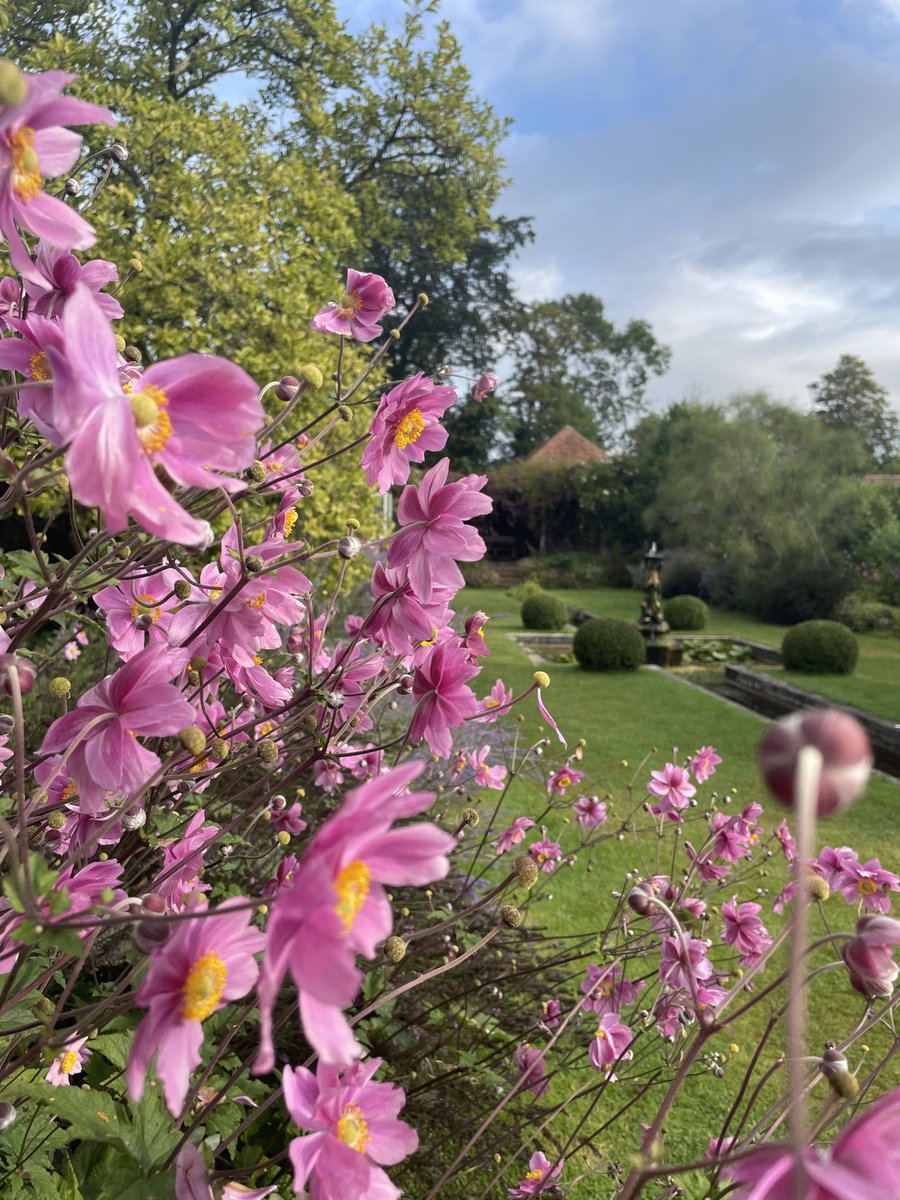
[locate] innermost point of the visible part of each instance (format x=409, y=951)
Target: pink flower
x=193, y=416
x=485, y=776
x=183, y=863
x=514, y=835
x=443, y=701
x=498, y=697
x=682, y=962
x=354, y=1132
x=26, y=355
x=435, y=534
x=590, y=812
x=206, y=963
x=138, y=611
x=51, y=279
x=406, y=425
x=539, y=1176
x=366, y=300
x=843, y=744
x=609, y=990
x=788, y=845
x=474, y=635
x=542, y=709
x=869, y=955
x=398, y=617
x=288, y=820
x=863, y=1163
x=485, y=386
x=33, y=145
x=337, y=907
x=68, y=1062
x=673, y=787
x=729, y=837
x=611, y=1041
x=100, y=734
x=550, y=1010
x=533, y=1066
x=545, y=853
x=563, y=779
x=867, y=883
x=192, y=1182
x=832, y=863
x=745, y=931
x=704, y=763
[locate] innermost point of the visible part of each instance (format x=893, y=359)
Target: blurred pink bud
x=485, y=386
x=869, y=955
x=25, y=669
x=845, y=750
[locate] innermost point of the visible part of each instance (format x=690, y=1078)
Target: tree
x=849, y=397
x=573, y=367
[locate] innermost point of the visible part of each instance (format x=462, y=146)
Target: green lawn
x=624, y=718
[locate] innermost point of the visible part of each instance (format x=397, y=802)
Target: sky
x=728, y=170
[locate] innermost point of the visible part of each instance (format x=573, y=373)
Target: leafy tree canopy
x=849, y=397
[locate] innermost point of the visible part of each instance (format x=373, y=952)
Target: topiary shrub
x=820, y=648
x=544, y=612
x=605, y=644
x=686, y=612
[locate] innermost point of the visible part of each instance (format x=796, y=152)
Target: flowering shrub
x=267, y=881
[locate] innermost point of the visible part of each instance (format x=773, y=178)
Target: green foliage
x=820, y=648
x=480, y=574
x=573, y=367
x=715, y=650
x=606, y=644
x=544, y=611
x=570, y=569
x=528, y=587
x=863, y=615
x=685, y=612
x=850, y=398
x=682, y=572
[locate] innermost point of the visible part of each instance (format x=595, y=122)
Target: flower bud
x=511, y=916
x=817, y=887
x=395, y=949
x=257, y=471
x=349, y=547
x=470, y=816
x=182, y=589
x=526, y=870
x=639, y=901
x=153, y=902
x=541, y=678
x=149, y=935
x=8, y=1115
x=143, y=621
x=218, y=749
x=13, y=91
x=72, y=187
x=283, y=837
x=133, y=354
x=134, y=820
x=345, y=412
x=287, y=388
x=193, y=678
x=311, y=374
x=59, y=687
x=394, y=335
x=404, y=684
x=193, y=739
x=118, y=151
x=843, y=744
x=254, y=564
x=267, y=750
x=23, y=667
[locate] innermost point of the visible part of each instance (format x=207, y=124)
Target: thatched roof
x=567, y=446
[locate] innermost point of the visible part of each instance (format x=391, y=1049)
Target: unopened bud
x=143, y=622
x=133, y=354
x=72, y=187
x=395, y=949
x=470, y=816
x=134, y=820
x=118, y=151
x=311, y=374
x=218, y=749
x=10, y=663
x=13, y=91
x=404, y=685
x=153, y=902
x=345, y=412
x=818, y=888
x=149, y=935
x=59, y=687
x=846, y=757
x=349, y=547
x=193, y=678
x=257, y=471
x=541, y=678
x=283, y=837
x=526, y=870
x=511, y=916
x=287, y=388
x=267, y=750
x=639, y=901
x=181, y=588
x=254, y=564
x=193, y=739
x=394, y=335
x=8, y=1115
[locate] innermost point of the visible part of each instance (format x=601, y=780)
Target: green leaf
x=154, y=1135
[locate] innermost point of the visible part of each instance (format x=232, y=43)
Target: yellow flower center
x=257, y=660
x=491, y=702
x=26, y=178
x=410, y=429
x=199, y=765
x=68, y=791
x=534, y=1176
x=866, y=887
x=146, y=605
x=203, y=987
x=350, y=304
x=606, y=988
x=257, y=601
x=601, y=1033
x=432, y=640
x=290, y=520
x=352, y=887
x=153, y=425
x=68, y=1062
x=40, y=368
x=541, y=856
x=214, y=594
x=564, y=780
x=352, y=1129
